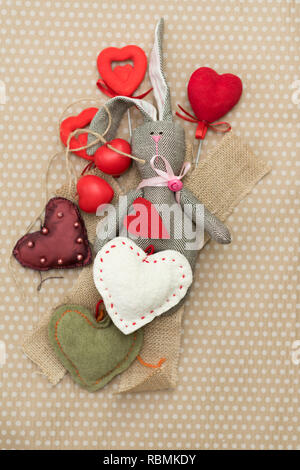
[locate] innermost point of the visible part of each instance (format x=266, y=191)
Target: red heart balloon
x=72, y=123
x=124, y=79
x=93, y=191
x=62, y=242
x=111, y=162
x=146, y=222
x=212, y=95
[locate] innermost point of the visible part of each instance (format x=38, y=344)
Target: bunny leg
x=110, y=225
x=212, y=225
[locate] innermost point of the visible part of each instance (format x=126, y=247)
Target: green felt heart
x=93, y=352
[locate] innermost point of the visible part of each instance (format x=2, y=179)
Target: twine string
x=99, y=138
x=46, y=279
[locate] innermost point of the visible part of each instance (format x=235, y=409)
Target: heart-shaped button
x=137, y=287
x=212, y=95
x=146, y=222
x=72, y=123
x=61, y=243
x=123, y=79
x=94, y=352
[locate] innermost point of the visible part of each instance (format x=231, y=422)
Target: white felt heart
x=137, y=287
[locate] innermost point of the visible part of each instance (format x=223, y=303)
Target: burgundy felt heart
x=212, y=95
x=124, y=79
x=61, y=243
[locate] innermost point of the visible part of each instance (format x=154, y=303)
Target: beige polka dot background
x=238, y=374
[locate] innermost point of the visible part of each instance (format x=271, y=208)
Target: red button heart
x=124, y=79
x=212, y=95
x=62, y=243
x=72, y=123
x=146, y=222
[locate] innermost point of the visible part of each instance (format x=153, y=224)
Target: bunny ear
x=117, y=107
x=157, y=77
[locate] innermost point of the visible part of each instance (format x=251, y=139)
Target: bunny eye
x=160, y=133
x=151, y=133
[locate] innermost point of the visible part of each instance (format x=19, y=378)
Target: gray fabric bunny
x=161, y=137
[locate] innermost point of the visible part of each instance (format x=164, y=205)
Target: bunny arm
x=212, y=225
x=114, y=219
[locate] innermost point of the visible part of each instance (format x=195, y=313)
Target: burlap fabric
x=221, y=180
x=36, y=345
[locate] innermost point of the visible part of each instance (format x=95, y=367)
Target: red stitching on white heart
x=154, y=261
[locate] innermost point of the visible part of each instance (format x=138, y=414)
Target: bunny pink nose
x=156, y=138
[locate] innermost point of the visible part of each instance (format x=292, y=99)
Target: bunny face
x=164, y=138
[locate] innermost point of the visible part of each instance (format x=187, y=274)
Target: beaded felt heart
x=94, y=352
x=61, y=243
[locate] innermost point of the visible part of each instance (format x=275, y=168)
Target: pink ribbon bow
x=166, y=178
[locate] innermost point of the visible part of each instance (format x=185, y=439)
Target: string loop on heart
x=100, y=138
x=221, y=126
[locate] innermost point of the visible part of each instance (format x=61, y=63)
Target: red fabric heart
x=146, y=222
x=111, y=162
x=212, y=95
x=61, y=244
x=124, y=79
x=72, y=123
